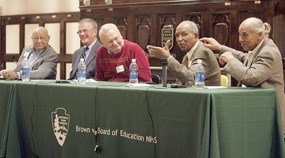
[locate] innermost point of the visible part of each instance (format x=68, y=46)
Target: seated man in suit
x=187, y=38
x=87, y=32
x=115, y=56
x=41, y=56
x=260, y=66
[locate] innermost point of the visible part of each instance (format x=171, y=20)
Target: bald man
x=41, y=56
x=187, y=38
x=261, y=66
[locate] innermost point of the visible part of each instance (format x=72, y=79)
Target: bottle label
x=81, y=74
x=133, y=74
x=25, y=72
x=199, y=77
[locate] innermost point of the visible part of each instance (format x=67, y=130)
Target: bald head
x=42, y=30
x=255, y=24
x=251, y=33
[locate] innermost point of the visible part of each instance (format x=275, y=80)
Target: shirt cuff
x=18, y=75
x=169, y=58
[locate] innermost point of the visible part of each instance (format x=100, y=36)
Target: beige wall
x=15, y=7
x=38, y=7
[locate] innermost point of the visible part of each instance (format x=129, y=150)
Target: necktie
x=83, y=55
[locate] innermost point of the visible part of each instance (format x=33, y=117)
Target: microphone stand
x=164, y=72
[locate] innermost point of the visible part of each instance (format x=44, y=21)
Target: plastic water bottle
x=81, y=72
x=199, y=75
x=133, y=72
x=25, y=70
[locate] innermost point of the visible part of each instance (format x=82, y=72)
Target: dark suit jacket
x=90, y=62
x=44, y=66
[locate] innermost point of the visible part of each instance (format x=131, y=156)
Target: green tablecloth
x=52, y=120
x=6, y=91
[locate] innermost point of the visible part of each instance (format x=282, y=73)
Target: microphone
x=164, y=72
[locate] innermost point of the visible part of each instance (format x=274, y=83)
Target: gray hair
x=192, y=25
x=106, y=27
x=90, y=21
x=258, y=25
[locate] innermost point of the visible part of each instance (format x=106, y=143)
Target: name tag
x=26, y=54
x=120, y=69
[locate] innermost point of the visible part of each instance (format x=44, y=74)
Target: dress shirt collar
x=257, y=47
x=190, y=53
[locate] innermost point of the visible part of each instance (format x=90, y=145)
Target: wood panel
x=41, y=20
x=213, y=18
x=141, y=21
x=144, y=19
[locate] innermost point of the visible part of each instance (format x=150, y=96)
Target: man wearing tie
x=87, y=32
x=41, y=56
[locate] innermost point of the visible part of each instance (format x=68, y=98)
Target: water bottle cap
x=81, y=59
x=133, y=60
x=199, y=61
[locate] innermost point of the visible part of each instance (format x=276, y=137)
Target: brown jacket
x=265, y=70
x=184, y=74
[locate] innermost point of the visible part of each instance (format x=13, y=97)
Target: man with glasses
x=87, y=32
x=42, y=58
x=114, y=57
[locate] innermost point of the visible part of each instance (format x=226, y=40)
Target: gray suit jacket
x=264, y=70
x=209, y=61
x=44, y=66
x=90, y=61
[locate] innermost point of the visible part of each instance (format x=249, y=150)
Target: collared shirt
x=34, y=56
x=87, y=52
x=190, y=53
x=249, y=58
x=250, y=54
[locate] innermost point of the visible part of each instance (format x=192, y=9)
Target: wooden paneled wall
x=141, y=21
x=41, y=20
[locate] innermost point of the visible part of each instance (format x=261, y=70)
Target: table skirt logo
x=60, y=124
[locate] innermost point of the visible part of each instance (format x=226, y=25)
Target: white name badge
x=26, y=54
x=120, y=69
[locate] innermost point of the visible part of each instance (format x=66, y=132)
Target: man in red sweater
x=115, y=55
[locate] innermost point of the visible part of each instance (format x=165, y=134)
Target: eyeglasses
x=37, y=38
x=83, y=31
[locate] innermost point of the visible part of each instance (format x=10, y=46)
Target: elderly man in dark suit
x=41, y=56
x=87, y=32
x=261, y=66
x=187, y=38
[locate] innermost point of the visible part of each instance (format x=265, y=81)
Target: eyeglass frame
x=84, y=31
x=42, y=38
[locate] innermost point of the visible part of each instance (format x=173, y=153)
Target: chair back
x=155, y=78
x=224, y=81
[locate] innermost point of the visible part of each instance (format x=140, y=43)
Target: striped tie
x=83, y=55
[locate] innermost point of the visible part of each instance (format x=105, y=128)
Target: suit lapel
x=77, y=59
x=40, y=57
x=92, y=53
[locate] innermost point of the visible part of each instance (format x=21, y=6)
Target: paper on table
x=138, y=85
x=215, y=87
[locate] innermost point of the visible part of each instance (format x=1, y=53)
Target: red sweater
x=108, y=63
